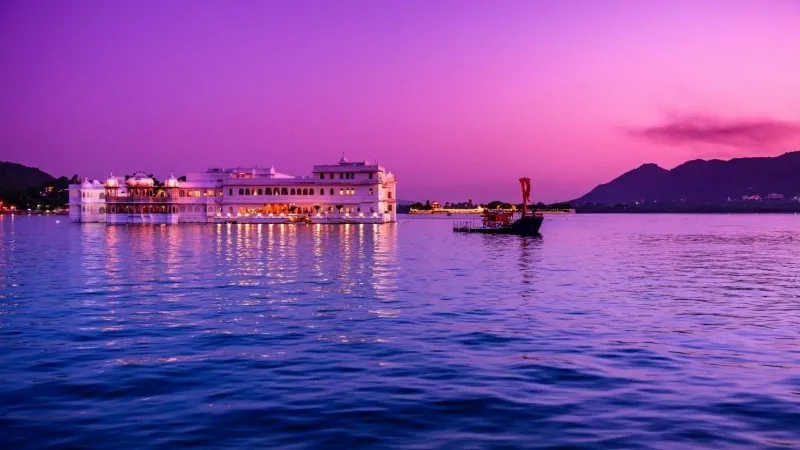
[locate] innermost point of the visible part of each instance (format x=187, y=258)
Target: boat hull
x=525, y=226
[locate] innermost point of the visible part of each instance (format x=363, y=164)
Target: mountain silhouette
x=702, y=181
x=15, y=177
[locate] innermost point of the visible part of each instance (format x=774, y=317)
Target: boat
x=502, y=222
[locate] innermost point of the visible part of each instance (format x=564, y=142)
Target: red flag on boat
x=526, y=189
x=525, y=183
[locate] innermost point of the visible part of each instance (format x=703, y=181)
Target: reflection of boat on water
x=502, y=222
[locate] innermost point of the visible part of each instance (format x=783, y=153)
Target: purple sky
x=457, y=98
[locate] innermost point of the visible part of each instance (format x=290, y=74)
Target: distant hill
x=16, y=177
x=702, y=181
x=28, y=187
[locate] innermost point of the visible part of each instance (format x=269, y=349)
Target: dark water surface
x=657, y=331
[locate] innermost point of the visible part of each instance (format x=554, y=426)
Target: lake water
x=611, y=331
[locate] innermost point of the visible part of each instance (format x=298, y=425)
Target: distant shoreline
x=676, y=208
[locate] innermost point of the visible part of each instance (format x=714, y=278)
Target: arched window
x=230, y=192
x=291, y=192
x=284, y=191
x=247, y=192
x=358, y=209
x=241, y=191
x=371, y=191
x=268, y=191
x=322, y=192
x=113, y=209
x=331, y=191
x=305, y=191
x=102, y=210
x=341, y=191
x=260, y=192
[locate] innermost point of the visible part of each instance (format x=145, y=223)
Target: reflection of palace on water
x=348, y=192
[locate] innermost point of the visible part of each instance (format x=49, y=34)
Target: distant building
x=774, y=196
x=348, y=192
x=751, y=197
x=436, y=205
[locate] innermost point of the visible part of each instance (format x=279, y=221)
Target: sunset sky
x=457, y=98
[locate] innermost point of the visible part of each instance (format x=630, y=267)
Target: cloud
x=699, y=129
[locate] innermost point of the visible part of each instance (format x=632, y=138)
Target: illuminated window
x=341, y=191
x=371, y=192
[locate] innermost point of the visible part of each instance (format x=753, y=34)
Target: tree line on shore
x=494, y=204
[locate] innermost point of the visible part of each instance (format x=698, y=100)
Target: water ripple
x=608, y=332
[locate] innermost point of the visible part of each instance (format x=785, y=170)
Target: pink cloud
x=751, y=134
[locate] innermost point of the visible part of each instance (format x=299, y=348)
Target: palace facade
x=347, y=192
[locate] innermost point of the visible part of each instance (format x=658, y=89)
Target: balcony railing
x=140, y=199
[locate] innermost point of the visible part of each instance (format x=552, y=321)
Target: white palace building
x=348, y=192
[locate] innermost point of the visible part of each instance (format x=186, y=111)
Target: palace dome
x=139, y=179
x=86, y=183
x=171, y=181
x=112, y=181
